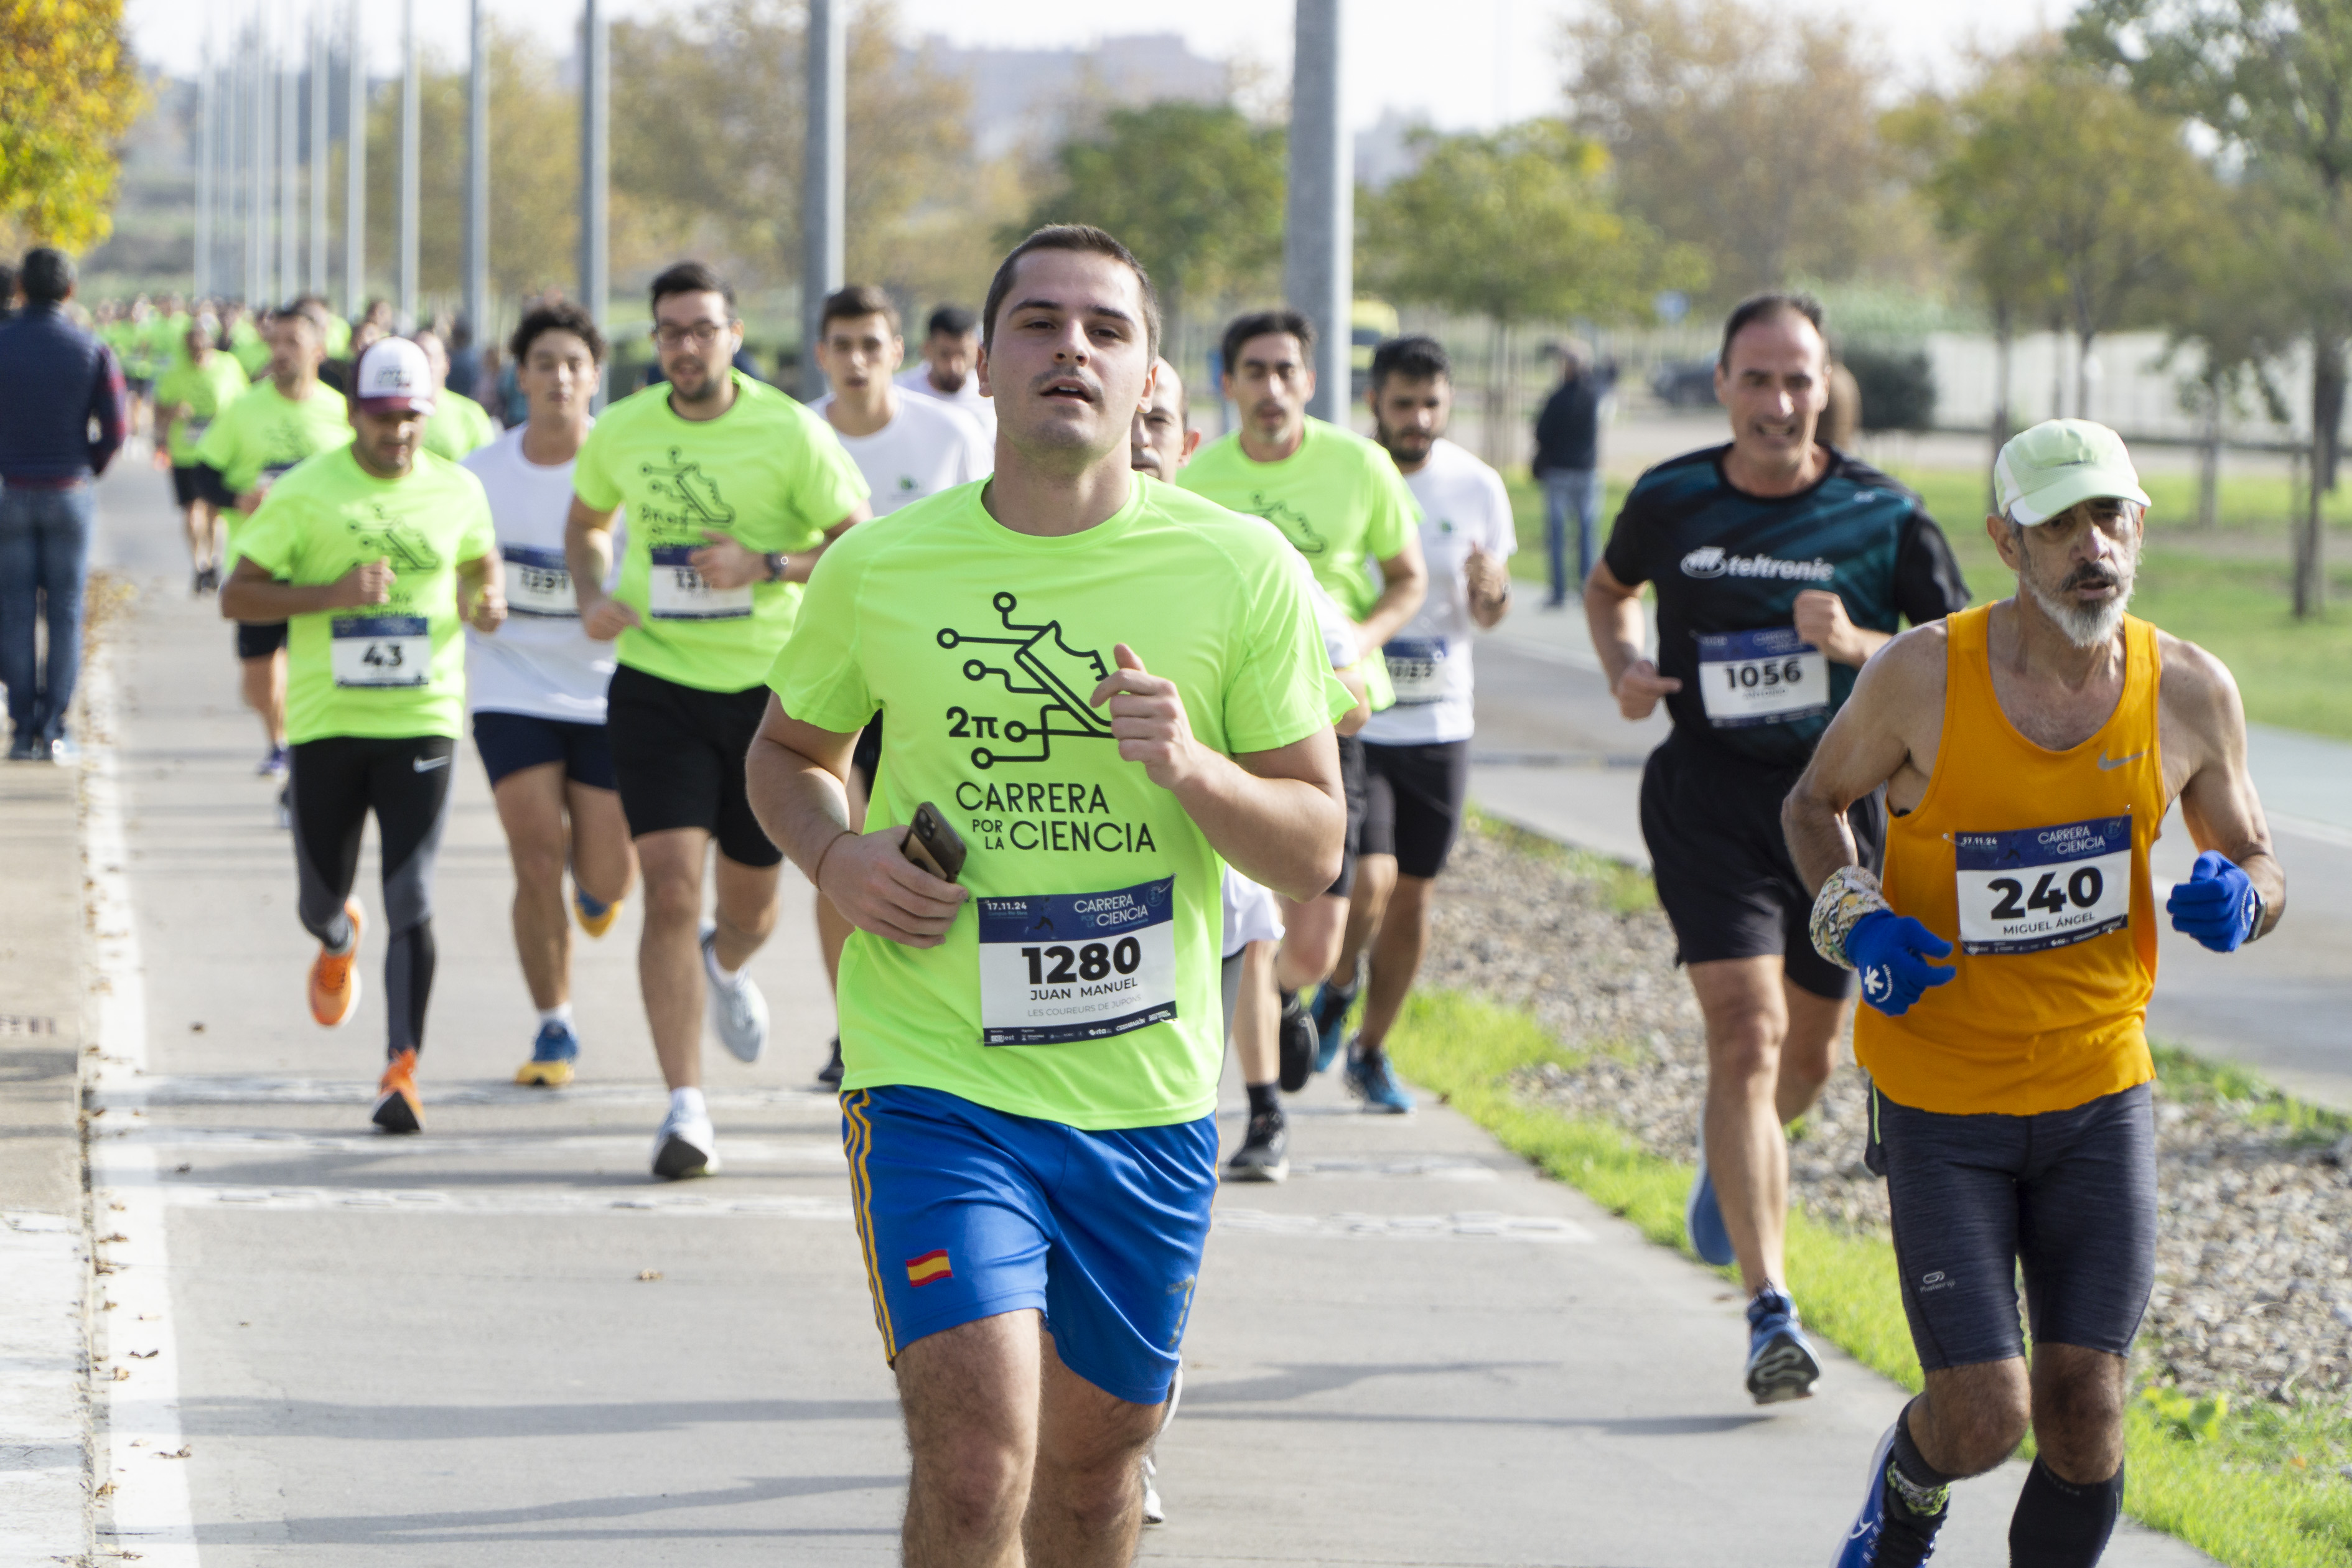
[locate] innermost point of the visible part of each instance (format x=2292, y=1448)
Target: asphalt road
x=500, y=1342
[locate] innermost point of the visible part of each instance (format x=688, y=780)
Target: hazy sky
x=1466, y=63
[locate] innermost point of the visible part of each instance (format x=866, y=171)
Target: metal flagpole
x=410, y=124
x=1318, y=243
x=355, y=97
x=823, y=204
x=201, y=285
x=320, y=75
x=595, y=161
x=478, y=179
x=289, y=153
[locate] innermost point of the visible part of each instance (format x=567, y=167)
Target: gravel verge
x=2254, y=1287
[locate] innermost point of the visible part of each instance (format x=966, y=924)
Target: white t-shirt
x=1463, y=503
x=927, y=448
x=967, y=398
x=1251, y=913
x=539, y=662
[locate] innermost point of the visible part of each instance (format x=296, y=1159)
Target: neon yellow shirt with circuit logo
x=1339, y=500
x=1079, y=984
x=458, y=425
x=207, y=389
x=389, y=670
x=263, y=434
x=766, y=473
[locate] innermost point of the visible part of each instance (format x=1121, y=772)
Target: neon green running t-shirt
x=263, y=434
x=207, y=389
x=1339, y=500
x=458, y=427
x=1080, y=982
x=389, y=670
x=766, y=473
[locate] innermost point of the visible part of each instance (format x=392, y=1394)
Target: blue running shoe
x=1885, y=1533
x=1702, y=1219
x=1372, y=1082
x=1330, y=1015
x=1780, y=1362
x=551, y=1056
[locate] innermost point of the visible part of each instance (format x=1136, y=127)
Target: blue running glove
x=2218, y=904
x=1891, y=952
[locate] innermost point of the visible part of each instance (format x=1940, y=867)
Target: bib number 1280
x=1061, y=968
x=1060, y=963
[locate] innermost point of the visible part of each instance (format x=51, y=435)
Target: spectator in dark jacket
x=1568, y=465
x=61, y=421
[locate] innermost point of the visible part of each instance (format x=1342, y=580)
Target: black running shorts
x=509, y=742
x=2068, y=1196
x=1413, y=802
x=677, y=756
x=866, y=759
x=1712, y=821
x=187, y=484
x=259, y=639
x=1352, y=782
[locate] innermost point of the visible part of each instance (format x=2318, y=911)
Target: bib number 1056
x=2038, y=887
x=1767, y=677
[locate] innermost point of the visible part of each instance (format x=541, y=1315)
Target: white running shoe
x=686, y=1146
x=739, y=1013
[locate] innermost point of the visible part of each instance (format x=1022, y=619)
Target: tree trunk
x=2057, y=366
x=2326, y=418
x=2083, y=374
x=2001, y=347
x=1497, y=392
x=2209, y=460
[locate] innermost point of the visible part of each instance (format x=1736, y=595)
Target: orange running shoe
x=335, y=976
x=595, y=917
x=397, y=1108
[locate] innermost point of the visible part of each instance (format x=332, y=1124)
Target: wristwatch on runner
x=777, y=564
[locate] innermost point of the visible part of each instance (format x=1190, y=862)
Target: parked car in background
x=1684, y=383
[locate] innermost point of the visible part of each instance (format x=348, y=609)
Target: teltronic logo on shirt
x=1710, y=561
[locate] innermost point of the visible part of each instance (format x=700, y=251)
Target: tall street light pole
x=1318, y=234
x=320, y=75
x=355, y=95
x=595, y=160
x=411, y=137
x=478, y=179
x=259, y=109
x=289, y=148
x=202, y=283
x=823, y=181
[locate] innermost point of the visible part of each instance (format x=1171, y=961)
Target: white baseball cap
x=393, y=377
x=2061, y=463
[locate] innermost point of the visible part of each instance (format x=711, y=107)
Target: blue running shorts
x=964, y=1213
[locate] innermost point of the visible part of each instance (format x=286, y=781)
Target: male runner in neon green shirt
x=375, y=554
x=733, y=491
x=1108, y=688
x=459, y=426
x=253, y=441
x=188, y=397
x=1341, y=500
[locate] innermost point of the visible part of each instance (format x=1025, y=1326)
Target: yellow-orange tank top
x=2033, y=863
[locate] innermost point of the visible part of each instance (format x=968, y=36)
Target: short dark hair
x=1763, y=307
x=555, y=316
x=952, y=320
x=309, y=308
x=1072, y=236
x=1416, y=358
x=1259, y=324
x=855, y=300
x=49, y=275
x=690, y=278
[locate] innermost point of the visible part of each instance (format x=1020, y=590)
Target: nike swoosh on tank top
x=2033, y=863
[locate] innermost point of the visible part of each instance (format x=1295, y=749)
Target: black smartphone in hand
x=932, y=844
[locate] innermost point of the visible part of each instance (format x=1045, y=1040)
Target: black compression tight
x=406, y=782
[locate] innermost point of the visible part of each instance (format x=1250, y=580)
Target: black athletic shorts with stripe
x=678, y=755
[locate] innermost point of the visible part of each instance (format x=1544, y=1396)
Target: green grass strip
x=2252, y=1496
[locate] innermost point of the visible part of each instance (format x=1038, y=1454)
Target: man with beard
x=1779, y=567
x=2028, y=751
x=733, y=490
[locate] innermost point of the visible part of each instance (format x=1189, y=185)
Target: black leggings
x=406, y=782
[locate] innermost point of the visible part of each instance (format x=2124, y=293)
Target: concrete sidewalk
x=499, y=1342
x=1553, y=755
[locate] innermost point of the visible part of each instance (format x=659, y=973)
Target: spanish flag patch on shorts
x=930, y=1265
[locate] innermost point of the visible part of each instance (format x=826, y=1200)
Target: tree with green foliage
x=2273, y=79
x=1194, y=189
x=2096, y=238
x=1519, y=226
x=68, y=88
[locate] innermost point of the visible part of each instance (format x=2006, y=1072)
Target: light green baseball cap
x=2062, y=463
